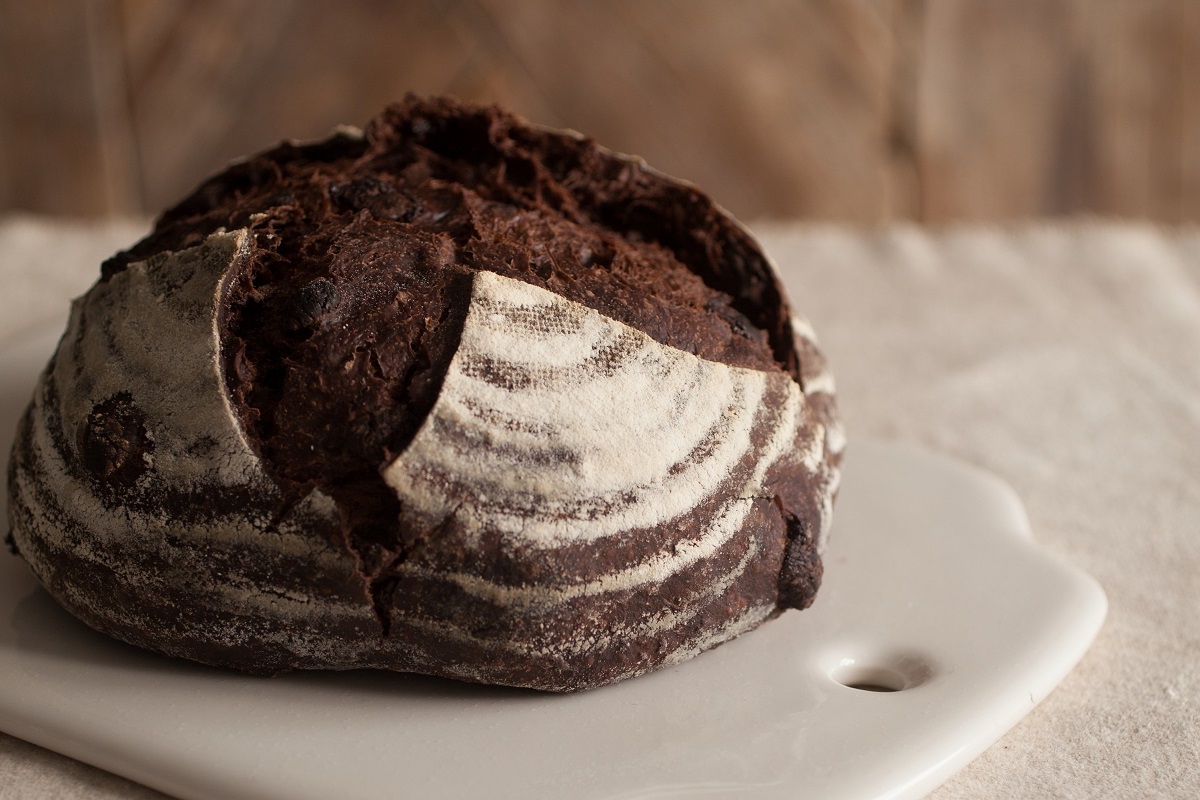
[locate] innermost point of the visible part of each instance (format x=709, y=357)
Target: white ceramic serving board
x=933, y=586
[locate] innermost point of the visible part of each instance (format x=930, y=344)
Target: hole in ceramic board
x=870, y=679
x=882, y=671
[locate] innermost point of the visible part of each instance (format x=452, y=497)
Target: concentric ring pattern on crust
x=457, y=395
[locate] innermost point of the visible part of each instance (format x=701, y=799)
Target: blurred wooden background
x=864, y=110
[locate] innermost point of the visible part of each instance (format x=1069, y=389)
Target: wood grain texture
x=64, y=147
x=1034, y=108
x=856, y=110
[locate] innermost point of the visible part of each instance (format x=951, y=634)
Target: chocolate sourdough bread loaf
x=457, y=395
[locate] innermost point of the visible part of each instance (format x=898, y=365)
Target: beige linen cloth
x=1065, y=358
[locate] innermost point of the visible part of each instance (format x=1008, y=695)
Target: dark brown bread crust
x=337, y=327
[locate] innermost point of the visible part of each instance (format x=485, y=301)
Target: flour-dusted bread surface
x=457, y=395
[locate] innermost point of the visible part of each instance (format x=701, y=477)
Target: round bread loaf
x=457, y=395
